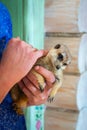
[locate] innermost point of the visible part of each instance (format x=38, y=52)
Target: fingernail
x=37, y=68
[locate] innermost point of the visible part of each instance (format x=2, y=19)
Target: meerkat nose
x=60, y=57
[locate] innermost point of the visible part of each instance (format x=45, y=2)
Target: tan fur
x=53, y=62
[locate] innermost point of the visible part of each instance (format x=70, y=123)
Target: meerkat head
x=59, y=56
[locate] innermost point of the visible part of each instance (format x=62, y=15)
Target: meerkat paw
x=53, y=93
x=42, y=86
x=50, y=98
x=18, y=110
x=40, y=79
x=19, y=105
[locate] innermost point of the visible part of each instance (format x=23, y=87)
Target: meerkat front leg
x=54, y=90
x=40, y=79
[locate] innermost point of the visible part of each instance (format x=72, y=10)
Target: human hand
x=17, y=60
x=29, y=86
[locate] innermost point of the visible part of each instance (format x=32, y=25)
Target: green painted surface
x=34, y=34
x=34, y=22
x=15, y=8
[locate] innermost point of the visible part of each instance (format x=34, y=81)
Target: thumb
x=35, y=56
x=39, y=53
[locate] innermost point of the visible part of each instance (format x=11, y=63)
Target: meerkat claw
x=41, y=88
x=19, y=111
x=50, y=99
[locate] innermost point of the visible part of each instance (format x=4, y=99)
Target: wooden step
x=60, y=119
x=66, y=96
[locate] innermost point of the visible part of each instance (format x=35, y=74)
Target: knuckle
x=19, y=43
x=51, y=77
x=43, y=97
x=26, y=82
x=11, y=41
x=34, y=100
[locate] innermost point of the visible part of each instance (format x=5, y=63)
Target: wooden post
x=34, y=34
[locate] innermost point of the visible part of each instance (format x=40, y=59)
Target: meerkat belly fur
x=55, y=61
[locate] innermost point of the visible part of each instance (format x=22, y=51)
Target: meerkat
x=55, y=61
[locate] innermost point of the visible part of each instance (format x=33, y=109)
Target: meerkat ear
x=57, y=46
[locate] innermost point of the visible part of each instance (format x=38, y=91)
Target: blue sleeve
x=9, y=120
x=5, y=27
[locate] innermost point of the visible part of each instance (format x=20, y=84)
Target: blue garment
x=9, y=120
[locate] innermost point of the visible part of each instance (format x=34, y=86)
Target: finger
x=24, y=88
x=32, y=98
x=41, y=98
x=35, y=56
x=35, y=91
x=48, y=91
x=45, y=73
x=49, y=85
x=38, y=54
x=38, y=100
x=27, y=92
x=21, y=84
x=34, y=102
x=45, y=52
x=33, y=79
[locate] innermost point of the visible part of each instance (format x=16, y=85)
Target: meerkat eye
x=65, y=64
x=58, y=67
x=57, y=46
x=60, y=57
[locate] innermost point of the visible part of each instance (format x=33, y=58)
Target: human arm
x=17, y=60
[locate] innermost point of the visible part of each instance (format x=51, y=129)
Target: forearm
x=5, y=86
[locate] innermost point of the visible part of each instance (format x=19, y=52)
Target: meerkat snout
x=60, y=57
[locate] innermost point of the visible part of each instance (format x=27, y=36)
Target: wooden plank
x=61, y=15
x=72, y=44
x=57, y=120
x=63, y=34
x=66, y=96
